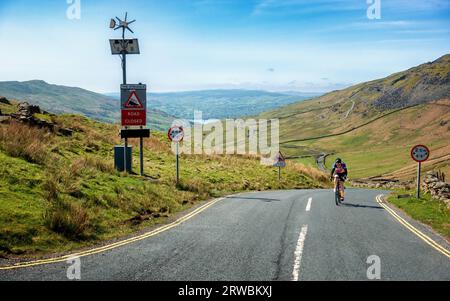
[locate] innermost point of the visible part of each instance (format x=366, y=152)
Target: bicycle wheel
x=337, y=197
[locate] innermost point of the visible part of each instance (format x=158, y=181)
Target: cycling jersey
x=339, y=169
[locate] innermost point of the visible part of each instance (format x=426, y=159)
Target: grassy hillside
x=62, y=99
x=221, y=104
x=373, y=125
x=60, y=193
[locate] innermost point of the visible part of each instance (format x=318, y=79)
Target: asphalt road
x=280, y=235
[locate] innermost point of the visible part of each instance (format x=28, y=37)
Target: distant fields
x=221, y=104
x=384, y=146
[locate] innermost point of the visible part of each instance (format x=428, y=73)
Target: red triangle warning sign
x=133, y=101
x=279, y=157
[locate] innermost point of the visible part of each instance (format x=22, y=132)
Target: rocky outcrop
x=26, y=114
x=4, y=100
x=434, y=183
x=423, y=84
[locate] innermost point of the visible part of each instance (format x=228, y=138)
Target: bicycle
x=339, y=190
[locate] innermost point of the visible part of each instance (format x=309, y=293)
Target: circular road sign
x=176, y=134
x=420, y=153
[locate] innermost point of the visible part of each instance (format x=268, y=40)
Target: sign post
x=280, y=162
x=176, y=135
x=133, y=97
x=420, y=153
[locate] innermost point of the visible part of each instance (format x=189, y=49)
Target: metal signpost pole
x=124, y=75
x=141, y=154
x=279, y=173
x=419, y=167
x=123, y=47
x=176, y=135
x=420, y=153
x=178, y=165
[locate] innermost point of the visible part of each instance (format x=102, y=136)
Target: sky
x=275, y=45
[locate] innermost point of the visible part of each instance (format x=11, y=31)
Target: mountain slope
x=62, y=99
x=373, y=125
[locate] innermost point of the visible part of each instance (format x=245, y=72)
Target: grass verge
x=427, y=210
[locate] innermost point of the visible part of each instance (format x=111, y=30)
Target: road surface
x=279, y=235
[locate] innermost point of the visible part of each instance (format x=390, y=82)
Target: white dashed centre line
x=298, y=253
x=308, y=207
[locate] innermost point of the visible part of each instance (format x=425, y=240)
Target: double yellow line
x=414, y=230
x=116, y=244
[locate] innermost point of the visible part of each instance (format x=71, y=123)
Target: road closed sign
x=420, y=153
x=133, y=99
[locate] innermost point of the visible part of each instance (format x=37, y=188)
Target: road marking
x=308, y=207
x=414, y=230
x=298, y=253
x=116, y=244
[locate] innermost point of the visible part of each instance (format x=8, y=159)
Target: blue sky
x=299, y=45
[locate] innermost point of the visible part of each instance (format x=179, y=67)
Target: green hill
x=373, y=125
x=62, y=99
x=59, y=191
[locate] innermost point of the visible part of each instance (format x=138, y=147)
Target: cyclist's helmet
x=338, y=160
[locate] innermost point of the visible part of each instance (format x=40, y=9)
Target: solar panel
x=129, y=46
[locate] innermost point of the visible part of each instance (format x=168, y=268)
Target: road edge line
x=413, y=229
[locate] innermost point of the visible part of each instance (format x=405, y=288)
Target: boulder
x=4, y=100
x=65, y=132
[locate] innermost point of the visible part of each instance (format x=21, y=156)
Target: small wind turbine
x=124, y=25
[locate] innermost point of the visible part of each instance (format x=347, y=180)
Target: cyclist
x=339, y=175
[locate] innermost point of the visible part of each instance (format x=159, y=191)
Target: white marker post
x=176, y=135
x=419, y=153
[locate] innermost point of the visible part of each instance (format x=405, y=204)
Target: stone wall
x=434, y=183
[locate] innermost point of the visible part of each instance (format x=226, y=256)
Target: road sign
x=129, y=46
x=133, y=102
x=420, y=153
x=176, y=134
x=134, y=117
x=135, y=133
x=281, y=164
x=133, y=99
x=280, y=160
